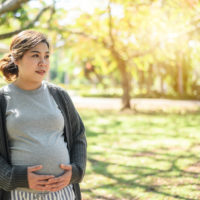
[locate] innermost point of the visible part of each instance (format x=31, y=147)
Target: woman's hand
x=55, y=184
x=38, y=182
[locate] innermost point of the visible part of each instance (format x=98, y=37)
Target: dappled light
x=142, y=157
x=132, y=70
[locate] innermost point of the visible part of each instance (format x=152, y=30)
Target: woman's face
x=34, y=64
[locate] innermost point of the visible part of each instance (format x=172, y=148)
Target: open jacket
x=12, y=177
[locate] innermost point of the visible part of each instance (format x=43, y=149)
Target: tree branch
x=29, y=25
x=65, y=30
x=11, y=5
x=139, y=54
x=53, y=10
x=110, y=25
x=136, y=54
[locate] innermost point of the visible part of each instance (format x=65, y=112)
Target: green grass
x=142, y=156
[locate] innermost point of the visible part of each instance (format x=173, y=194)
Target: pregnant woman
x=42, y=137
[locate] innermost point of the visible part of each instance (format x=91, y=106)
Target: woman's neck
x=27, y=85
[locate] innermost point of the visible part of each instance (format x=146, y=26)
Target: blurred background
x=132, y=68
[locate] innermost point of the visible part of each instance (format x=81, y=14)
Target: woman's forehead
x=40, y=48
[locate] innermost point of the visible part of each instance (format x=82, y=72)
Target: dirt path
x=164, y=105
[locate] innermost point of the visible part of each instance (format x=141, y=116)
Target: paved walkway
x=140, y=104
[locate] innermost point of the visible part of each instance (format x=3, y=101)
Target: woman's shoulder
x=56, y=88
x=4, y=89
x=4, y=94
x=52, y=85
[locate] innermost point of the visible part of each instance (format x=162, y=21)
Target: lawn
x=141, y=156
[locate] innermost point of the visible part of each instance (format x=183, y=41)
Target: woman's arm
x=78, y=152
x=12, y=177
x=76, y=137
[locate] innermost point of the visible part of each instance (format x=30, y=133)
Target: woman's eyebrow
x=38, y=51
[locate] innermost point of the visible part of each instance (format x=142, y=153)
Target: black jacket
x=12, y=177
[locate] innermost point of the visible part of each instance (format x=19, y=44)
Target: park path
x=140, y=104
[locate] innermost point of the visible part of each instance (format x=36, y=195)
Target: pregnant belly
x=50, y=157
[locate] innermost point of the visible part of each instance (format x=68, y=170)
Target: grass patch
x=141, y=156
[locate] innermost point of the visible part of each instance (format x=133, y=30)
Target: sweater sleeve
x=78, y=154
x=12, y=177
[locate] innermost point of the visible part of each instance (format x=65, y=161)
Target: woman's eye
x=35, y=55
x=47, y=56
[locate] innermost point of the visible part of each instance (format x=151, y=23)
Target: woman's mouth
x=41, y=72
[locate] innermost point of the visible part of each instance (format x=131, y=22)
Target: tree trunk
x=149, y=82
x=180, y=79
x=126, y=88
x=162, y=85
x=180, y=73
x=121, y=64
x=125, y=78
x=126, y=83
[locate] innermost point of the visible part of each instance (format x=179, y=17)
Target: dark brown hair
x=21, y=43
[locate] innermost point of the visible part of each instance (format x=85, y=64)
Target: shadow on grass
x=100, y=167
x=149, y=178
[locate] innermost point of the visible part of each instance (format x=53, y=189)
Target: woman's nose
x=43, y=61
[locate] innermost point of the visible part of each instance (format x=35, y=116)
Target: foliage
x=153, y=38
x=152, y=45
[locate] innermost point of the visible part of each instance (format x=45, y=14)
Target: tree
x=15, y=11
x=147, y=43
x=144, y=35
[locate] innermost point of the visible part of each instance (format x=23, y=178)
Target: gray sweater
x=35, y=129
x=12, y=177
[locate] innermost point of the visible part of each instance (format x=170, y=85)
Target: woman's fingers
x=59, y=183
x=43, y=182
x=55, y=180
x=52, y=188
x=48, y=182
x=44, y=177
x=34, y=168
x=36, y=181
x=66, y=167
x=41, y=188
x=57, y=188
